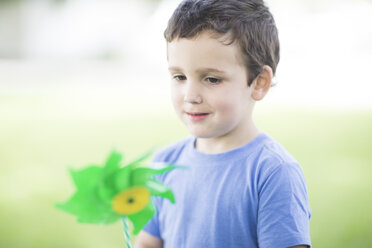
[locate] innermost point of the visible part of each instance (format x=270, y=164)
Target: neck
x=227, y=142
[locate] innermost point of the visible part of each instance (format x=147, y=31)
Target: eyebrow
x=206, y=69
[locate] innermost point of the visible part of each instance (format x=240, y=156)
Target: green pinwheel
x=106, y=194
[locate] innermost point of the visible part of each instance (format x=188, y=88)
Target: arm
x=145, y=240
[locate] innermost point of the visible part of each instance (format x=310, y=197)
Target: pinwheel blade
x=158, y=189
x=112, y=163
x=139, y=160
x=141, y=218
x=122, y=179
x=89, y=209
x=87, y=178
x=141, y=175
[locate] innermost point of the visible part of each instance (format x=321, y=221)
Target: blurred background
x=81, y=77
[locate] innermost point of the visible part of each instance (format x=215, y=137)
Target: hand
x=145, y=240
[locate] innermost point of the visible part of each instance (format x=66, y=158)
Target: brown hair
x=247, y=22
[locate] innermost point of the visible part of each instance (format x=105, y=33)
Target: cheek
x=176, y=97
x=229, y=111
x=231, y=108
x=226, y=103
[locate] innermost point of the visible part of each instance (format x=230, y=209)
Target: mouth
x=196, y=113
x=197, y=116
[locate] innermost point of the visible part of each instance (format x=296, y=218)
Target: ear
x=262, y=83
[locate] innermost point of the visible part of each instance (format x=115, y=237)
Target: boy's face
x=209, y=89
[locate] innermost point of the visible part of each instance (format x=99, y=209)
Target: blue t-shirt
x=252, y=196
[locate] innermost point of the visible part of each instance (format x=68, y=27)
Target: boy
x=242, y=189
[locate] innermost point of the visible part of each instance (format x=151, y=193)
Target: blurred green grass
x=40, y=138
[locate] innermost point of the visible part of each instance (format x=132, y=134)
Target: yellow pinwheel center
x=131, y=200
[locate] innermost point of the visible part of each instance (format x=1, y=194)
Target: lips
x=197, y=116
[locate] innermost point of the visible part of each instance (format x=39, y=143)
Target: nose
x=192, y=93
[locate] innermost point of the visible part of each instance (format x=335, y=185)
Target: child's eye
x=213, y=80
x=179, y=77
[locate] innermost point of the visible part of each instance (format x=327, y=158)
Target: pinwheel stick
x=128, y=241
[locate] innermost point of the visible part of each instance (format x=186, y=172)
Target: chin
x=196, y=133
x=201, y=134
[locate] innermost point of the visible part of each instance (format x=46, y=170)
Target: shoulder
x=171, y=152
x=272, y=155
x=272, y=151
x=274, y=161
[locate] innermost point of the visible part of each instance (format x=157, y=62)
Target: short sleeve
x=283, y=209
x=152, y=227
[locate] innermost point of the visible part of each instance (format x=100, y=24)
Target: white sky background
x=326, y=51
